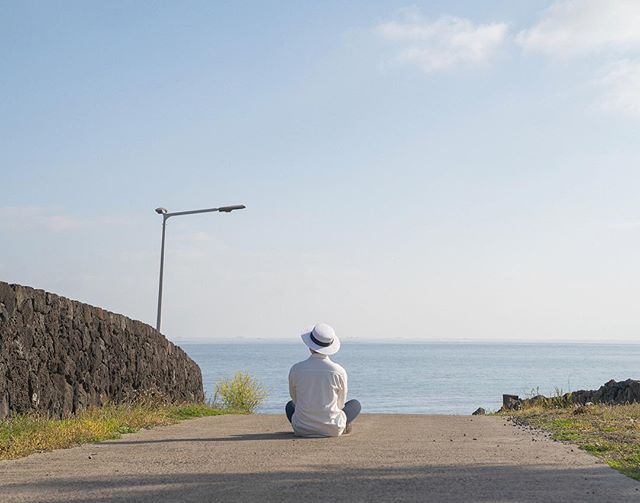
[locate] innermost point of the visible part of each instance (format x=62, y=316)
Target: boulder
x=511, y=402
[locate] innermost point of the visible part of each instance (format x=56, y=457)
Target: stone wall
x=60, y=356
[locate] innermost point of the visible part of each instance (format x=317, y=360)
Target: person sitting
x=318, y=389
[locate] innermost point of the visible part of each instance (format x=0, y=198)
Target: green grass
x=610, y=432
x=24, y=435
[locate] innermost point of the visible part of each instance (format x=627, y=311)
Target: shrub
x=242, y=393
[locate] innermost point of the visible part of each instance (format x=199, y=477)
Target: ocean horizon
x=427, y=377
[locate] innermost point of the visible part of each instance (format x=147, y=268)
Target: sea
x=427, y=378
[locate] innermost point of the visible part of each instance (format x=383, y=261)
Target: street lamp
x=165, y=216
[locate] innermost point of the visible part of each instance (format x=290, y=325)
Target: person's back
x=318, y=388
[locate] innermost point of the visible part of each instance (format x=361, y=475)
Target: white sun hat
x=322, y=339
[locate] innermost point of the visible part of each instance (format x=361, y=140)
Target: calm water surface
x=428, y=378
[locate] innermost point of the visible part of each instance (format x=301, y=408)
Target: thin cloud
x=582, y=27
x=607, y=29
x=441, y=44
x=30, y=217
x=626, y=226
x=194, y=246
x=621, y=87
x=20, y=218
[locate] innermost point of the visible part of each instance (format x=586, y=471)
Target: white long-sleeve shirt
x=318, y=388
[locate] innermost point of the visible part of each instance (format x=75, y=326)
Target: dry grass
x=611, y=432
x=24, y=435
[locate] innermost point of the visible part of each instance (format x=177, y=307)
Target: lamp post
x=165, y=216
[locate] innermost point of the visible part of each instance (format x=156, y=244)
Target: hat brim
x=323, y=350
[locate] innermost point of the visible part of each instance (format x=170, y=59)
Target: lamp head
x=229, y=209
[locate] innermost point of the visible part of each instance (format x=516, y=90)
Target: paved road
x=256, y=458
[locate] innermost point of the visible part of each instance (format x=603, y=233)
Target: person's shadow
x=278, y=435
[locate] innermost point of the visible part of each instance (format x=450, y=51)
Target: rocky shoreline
x=611, y=393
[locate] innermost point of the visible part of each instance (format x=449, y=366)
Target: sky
x=442, y=170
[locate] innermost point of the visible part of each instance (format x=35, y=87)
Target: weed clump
x=241, y=393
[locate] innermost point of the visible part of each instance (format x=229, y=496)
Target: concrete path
x=256, y=458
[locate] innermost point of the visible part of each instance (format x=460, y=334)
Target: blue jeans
x=351, y=409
